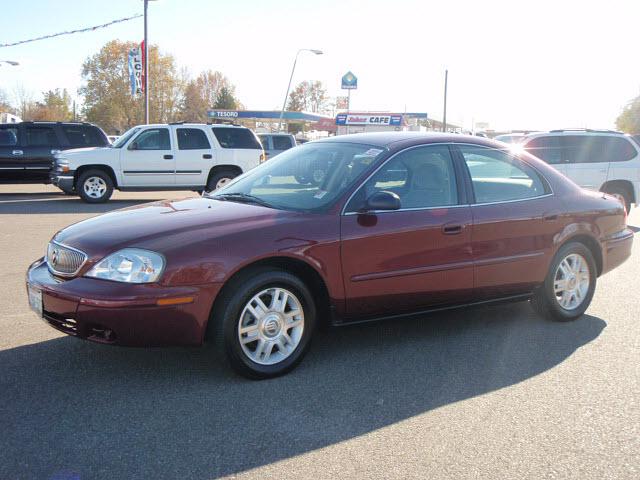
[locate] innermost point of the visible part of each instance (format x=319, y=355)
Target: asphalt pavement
x=491, y=392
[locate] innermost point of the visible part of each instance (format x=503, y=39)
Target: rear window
x=236, y=138
x=192, y=139
x=41, y=137
x=281, y=142
x=8, y=136
x=596, y=149
x=84, y=136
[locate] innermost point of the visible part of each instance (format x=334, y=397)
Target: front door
x=587, y=158
x=194, y=157
x=149, y=160
x=11, y=154
x=418, y=256
x=549, y=149
x=515, y=218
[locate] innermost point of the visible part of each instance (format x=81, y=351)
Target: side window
x=83, y=136
x=597, y=149
x=192, y=139
x=230, y=137
x=546, y=148
x=41, y=137
x=280, y=142
x=498, y=177
x=422, y=177
x=153, y=139
x=8, y=136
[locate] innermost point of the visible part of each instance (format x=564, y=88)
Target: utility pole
x=444, y=115
x=146, y=66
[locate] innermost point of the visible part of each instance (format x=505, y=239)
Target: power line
x=80, y=30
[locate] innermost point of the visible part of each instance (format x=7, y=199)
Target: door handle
x=452, y=229
x=208, y=156
x=168, y=157
x=18, y=152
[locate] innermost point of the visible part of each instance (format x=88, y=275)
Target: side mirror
x=133, y=146
x=382, y=200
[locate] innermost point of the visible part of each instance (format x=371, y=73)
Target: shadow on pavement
x=72, y=409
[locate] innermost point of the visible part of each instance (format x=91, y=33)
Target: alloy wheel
x=95, y=187
x=270, y=326
x=571, y=281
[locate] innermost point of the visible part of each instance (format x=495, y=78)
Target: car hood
x=165, y=226
x=94, y=152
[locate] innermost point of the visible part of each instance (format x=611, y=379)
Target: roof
x=385, y=139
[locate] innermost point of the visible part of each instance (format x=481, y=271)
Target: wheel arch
x=296, y=266
x=624, y=184
x=221, y=168
x=105, y=168
x=592, y=244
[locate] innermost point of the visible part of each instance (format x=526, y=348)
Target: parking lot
x=491, y=392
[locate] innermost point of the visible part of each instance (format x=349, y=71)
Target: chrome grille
x=64, y=261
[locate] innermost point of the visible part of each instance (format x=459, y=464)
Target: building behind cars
x=27, y=149
x=601, y=160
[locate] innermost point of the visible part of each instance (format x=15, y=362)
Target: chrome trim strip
x=511, y=258
x=63, y=274
x=414, y=209
x=411, y=271
x=513, y=201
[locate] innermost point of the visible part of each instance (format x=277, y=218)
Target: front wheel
x=264, y=323
x=94, y=186
x=569, y=286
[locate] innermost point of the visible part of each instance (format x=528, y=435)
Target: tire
x=622, y=194
x=220, y=179
x=271, y=354
x=94, y=186
x=547, y=303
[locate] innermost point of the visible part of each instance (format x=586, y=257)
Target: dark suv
x=27, y=148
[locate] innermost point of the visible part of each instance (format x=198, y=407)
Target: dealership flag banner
x=135, y=70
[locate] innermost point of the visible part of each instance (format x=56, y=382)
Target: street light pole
x=444, y=114
x=284, y=104
x=146, y=66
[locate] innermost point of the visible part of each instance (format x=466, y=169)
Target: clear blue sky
x=515, y=64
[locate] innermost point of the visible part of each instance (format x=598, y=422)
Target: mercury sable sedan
x=401, y=224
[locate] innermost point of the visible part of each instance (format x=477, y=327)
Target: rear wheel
x=264, y=323
x=220, y=179
x=569, y=286
x=94, y=186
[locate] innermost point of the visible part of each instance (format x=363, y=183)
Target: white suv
x=177, y=156
x=600, y=160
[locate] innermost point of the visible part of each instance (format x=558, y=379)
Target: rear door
x=40, y=143
x=11, y=154
x=194, y=156
x=148, y=160
x=515, y=217
x=418, y=256
x=82, y=136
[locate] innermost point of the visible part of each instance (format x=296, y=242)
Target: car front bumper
x=64, y=181
x=124, y=314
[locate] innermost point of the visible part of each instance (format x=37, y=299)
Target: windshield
x=125, y=137
x=304, y=178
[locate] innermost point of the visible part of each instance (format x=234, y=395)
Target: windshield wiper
x=243, y=198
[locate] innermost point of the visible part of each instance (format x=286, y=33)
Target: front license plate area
x=35, y=299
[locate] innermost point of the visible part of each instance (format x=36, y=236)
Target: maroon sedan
x=341, y=230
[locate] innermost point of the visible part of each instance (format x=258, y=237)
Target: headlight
x=130, y=265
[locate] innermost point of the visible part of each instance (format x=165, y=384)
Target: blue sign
x=263, y=114
x=349, y=81
x=369, y=119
